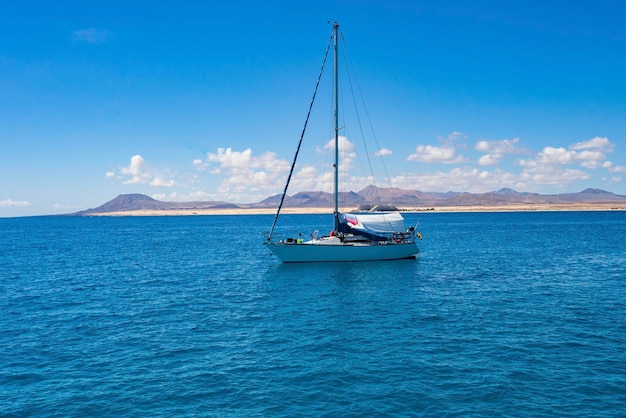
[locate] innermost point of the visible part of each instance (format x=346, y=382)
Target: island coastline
x=532, y=207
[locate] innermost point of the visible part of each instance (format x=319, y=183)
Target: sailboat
x=356, y=236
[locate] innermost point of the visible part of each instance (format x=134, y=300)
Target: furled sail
x=376, y=226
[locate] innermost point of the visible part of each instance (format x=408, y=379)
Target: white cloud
x=592, y=153
x=444, y=154
x=474, y=180
x=268, y=161
x=161, y=196
x=309, y=178
x=347, y=152
x=195, y=196
x=247, y=177
x=59, y=206
x=140, y=174
x=432, y=154
x=242, y=162
x=496, y=150
x=558, y=176
x=110, y=174
x=490, y=159
x=551, y=155
x=229, y=159
x=14, y=203
x=245, y=173
x=458, y=179
x=199, y=164
x=135, y=170
x=242, y=176
x=548, y=167
x=602, y=143
x=455, y=139
x=159, y=182
x=383, y=152
x=591, y=159
x=91, y=35
x=345, y=145
x=589, y=154
x=498, y=147
x=618, y=169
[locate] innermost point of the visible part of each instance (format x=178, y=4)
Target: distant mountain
x=310, y=200
x=130, y=202
x=371, y=195
x=133, y=202
x=374, y=195
x=507, y=192
x=592, y=195
x=509, y=196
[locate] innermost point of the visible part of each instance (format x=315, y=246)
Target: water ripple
x=503, y=314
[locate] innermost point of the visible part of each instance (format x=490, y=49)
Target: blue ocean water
x=504, y=314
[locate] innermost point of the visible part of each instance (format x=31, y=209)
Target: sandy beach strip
x=532, y=207
x=600, y=206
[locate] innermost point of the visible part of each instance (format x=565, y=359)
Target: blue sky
x=203, y=100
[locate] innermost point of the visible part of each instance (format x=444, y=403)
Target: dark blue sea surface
x=503, y=314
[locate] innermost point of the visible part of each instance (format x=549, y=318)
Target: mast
x=336, y=97
x=295, y=158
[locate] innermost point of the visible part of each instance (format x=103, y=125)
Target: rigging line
x=350, y=65
x=369, y=119
x=350, y=71
x=356, y=111
x=342, y=167
x=295, y=158
x=327, y=167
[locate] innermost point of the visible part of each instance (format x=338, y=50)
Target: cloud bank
x=14, y=203
x=476, y=166
x=138, y=172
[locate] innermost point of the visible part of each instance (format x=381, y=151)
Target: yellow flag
x=419, y=235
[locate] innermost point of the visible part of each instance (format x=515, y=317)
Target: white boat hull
x=319, y=251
